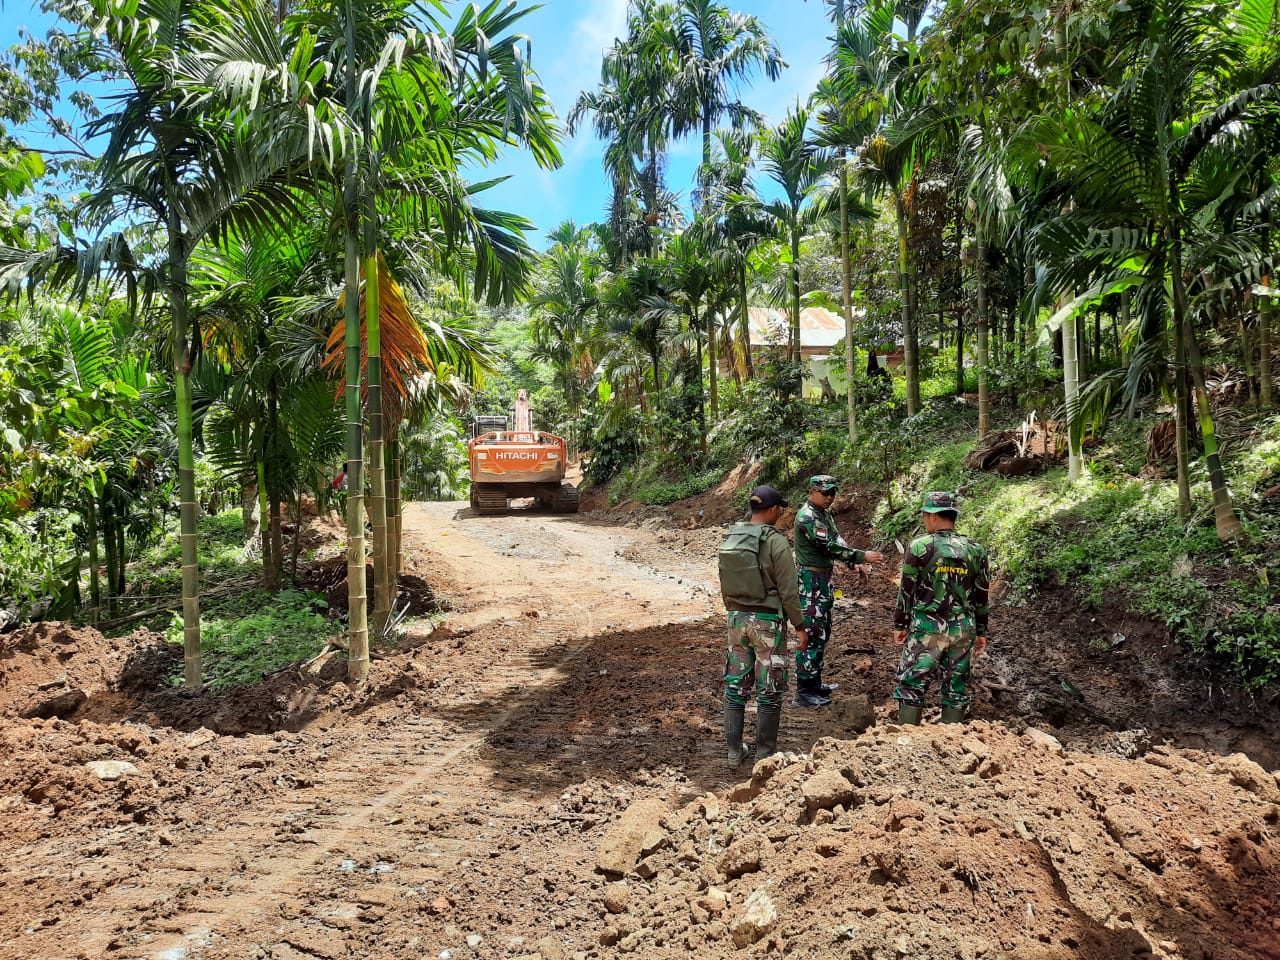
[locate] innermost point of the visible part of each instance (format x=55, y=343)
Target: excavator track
x=565, y=500
x=489, y=501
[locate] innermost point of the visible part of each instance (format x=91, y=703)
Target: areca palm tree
x=735, y=223
x=565, y=299
x=1143, y=174
x=174, y=162
x=715, y=49
x=414, y=100
x=868, y=83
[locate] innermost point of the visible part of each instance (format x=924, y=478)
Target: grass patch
x=244, y=638
x=658, y=487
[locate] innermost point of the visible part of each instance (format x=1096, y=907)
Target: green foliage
x=38, y=562
x=222, y=555
x=434, y=459
x=657, y=491
x=764, y=419
x=256, y=634
x=615, y=446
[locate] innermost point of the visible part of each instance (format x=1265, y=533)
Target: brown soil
x=479, y=796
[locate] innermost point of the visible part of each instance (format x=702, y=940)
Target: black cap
x=762, y=498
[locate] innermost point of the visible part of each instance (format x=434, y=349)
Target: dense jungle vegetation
x=262, y=258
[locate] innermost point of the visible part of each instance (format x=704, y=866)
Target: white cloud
x=577, y=63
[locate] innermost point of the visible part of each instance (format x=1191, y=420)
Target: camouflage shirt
x=817, y=541
x=944, y=585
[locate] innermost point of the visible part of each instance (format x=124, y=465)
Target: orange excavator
x=510, y=464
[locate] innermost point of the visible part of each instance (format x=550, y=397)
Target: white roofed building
x=820, y=330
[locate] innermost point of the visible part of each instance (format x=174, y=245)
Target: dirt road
x=458, y=807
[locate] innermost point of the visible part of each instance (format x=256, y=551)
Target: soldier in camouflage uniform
x=818, y=546
x=758, y=583
x=941, y=617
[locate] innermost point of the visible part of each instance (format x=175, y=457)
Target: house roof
x=819, y=327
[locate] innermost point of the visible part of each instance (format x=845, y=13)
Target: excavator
x=511, y=464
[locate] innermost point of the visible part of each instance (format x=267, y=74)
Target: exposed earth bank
x=541, y=776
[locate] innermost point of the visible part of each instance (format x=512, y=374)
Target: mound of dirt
x=57, y=669
x=329, y=577
x=956, y=842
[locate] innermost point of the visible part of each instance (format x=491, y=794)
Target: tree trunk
x=122, y=559
x=910, y=356
x=276, y=526
x=394, y=507
x=295, y=547
x=702, y=409
x=249, y=516
x=1264, y=323
x=797, y=355
x=188, y=508
x=1071, y=391
x=377, y=452
x=95, y=588
x=1246, y=354
x=748, y=361
x=984, y=356
x=712, y=363
x=1125, y=315
x=1264, y=347
x=959, y=352
x=1225, y=519
x=109, y=544
x=1180, y=428
x=269, y=563
x=357, y=597
x=846, y=282
x=273, y=568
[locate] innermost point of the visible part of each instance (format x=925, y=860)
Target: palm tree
x=735, y=223
x=870, y=67
x=174, y=160
x=563, y=305
x=715, y=50
x=798, y=166
x=413, y=101
x=634, y=113
x=1140, y=175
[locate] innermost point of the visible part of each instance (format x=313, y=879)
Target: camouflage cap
x=824, y=482
x=940, y=501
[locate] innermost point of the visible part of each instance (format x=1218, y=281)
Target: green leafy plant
x=257, y=634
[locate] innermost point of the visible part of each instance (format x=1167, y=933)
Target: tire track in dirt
x=545, y=589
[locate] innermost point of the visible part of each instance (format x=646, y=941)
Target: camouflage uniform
x=943, y=606
x=818, y=545
x=756, y=655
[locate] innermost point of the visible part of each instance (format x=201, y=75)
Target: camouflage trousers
x=948, y=656
x=757, y=657
x=816, y=600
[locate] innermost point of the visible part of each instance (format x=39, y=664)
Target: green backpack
x=740, y=577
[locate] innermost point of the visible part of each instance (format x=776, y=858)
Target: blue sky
x=569, y=37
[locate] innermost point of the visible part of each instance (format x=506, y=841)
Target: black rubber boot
x=808, y=694
x=909, y=715
x=953, y=714
x=826, y=689
x=733, y=719
x=767, y=718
